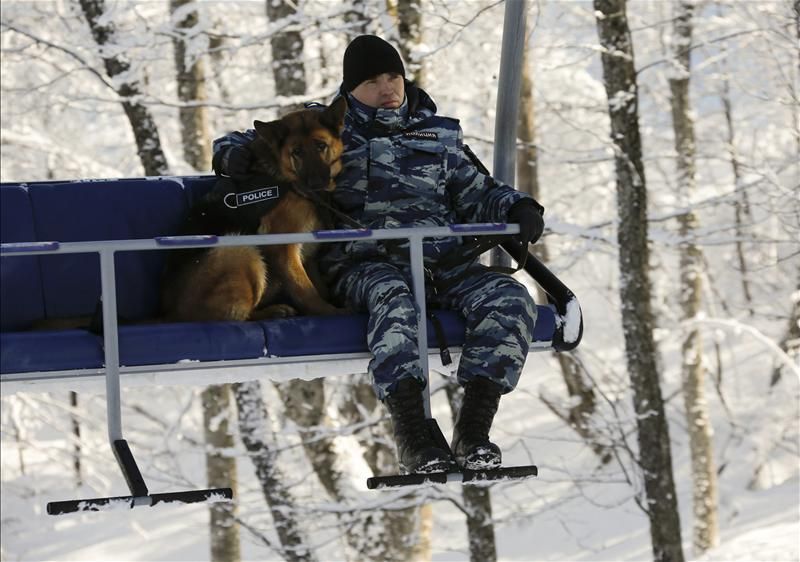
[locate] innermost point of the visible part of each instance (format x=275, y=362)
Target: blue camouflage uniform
x=407, y=167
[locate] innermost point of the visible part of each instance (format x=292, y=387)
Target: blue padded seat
x=20, y=278
x=318, y=335
x=57, y=350
x=105, y=210
x=50, y=350
x=197, y=186
x=207, y=341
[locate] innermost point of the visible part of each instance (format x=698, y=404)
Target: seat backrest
x=21, y=299
x=106, y=210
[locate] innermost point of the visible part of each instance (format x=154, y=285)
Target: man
x=405, y=166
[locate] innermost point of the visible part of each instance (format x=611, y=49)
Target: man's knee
x=509, y=297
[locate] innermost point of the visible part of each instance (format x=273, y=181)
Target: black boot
x=471, y=445
x=416, y=449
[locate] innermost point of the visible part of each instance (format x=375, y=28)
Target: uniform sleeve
x=223, y=147
x=477, y=196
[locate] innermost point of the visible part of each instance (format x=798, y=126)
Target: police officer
x=402, y=166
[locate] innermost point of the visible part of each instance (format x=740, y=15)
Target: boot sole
x=427, y=468
x=480, y=460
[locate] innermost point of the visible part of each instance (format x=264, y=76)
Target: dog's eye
x=297, y=152
x=321, y=146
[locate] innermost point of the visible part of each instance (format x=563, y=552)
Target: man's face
x=387, y=90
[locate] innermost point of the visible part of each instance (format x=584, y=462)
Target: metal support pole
x=108, y=288
x=122, y=453
x=418, y=278
x=508, y=94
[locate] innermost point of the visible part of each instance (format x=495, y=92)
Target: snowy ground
x=573, y=511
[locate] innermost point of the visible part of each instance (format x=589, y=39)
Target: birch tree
x=190, y=74
x=215, y=399
x=655, y=457
x=148, y=142
x=254, y=426
x=704, y=476
x=220, y=472
x=409, y=27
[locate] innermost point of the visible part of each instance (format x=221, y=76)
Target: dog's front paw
x=274, y=311
x=329, y=310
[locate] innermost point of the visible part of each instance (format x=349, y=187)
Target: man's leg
x=500, y=316
x=383, y=291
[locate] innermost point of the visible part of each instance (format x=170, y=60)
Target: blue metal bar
x=418, y=278
x=192, y=240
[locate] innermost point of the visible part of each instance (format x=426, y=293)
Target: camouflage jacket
x=403, y=167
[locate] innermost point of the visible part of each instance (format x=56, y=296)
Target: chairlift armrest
x=193, y=240
x=569, y=316
x=345, y=233
x=483, y=227
x=19, y=247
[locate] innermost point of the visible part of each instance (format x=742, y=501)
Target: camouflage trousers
x=500, y=315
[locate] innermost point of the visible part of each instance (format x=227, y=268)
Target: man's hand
x=235, y=161
x=531, y=224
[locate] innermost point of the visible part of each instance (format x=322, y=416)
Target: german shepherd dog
x=296, y=159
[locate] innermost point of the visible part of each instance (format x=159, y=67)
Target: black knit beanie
x=367, y=56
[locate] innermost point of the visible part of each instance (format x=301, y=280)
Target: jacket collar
x=416, y=106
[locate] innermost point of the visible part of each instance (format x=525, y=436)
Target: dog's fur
x=299, y=152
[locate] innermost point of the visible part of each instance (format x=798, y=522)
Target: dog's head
x=304, y=147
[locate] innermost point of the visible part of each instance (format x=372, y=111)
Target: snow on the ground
x=572, y=511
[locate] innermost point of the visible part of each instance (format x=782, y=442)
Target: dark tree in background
x=655, y=457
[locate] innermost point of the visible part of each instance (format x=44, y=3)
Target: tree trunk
x=305, y=406
x=220, y=472
x=477, y=500
x=190, y=75
x=579, y=388
x=253, y=426
x=287, y=53
x=704, y=476
x=356, y=19
x=790, y=343
x=394, y=534
x=653, y=434
x=76, y=432
x=220, y=469
x=741, y=204
x=144, y=128
x=409, y=24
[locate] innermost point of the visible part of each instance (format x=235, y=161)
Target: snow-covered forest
x=102, y=89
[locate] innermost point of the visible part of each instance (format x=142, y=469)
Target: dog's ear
x=333, y=116
x=273, y=132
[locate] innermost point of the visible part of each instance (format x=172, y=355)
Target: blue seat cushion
x=320, y=335
x=56, y=350
x=26, y=352
x=151, y=344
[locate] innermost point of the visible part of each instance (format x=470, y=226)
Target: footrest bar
x=99, y=504
x=464, y=476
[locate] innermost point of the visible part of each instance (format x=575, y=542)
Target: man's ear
x=273, y=132
x=333, y=115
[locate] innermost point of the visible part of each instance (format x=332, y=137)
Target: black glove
x=529, y=216
x=234, y=161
